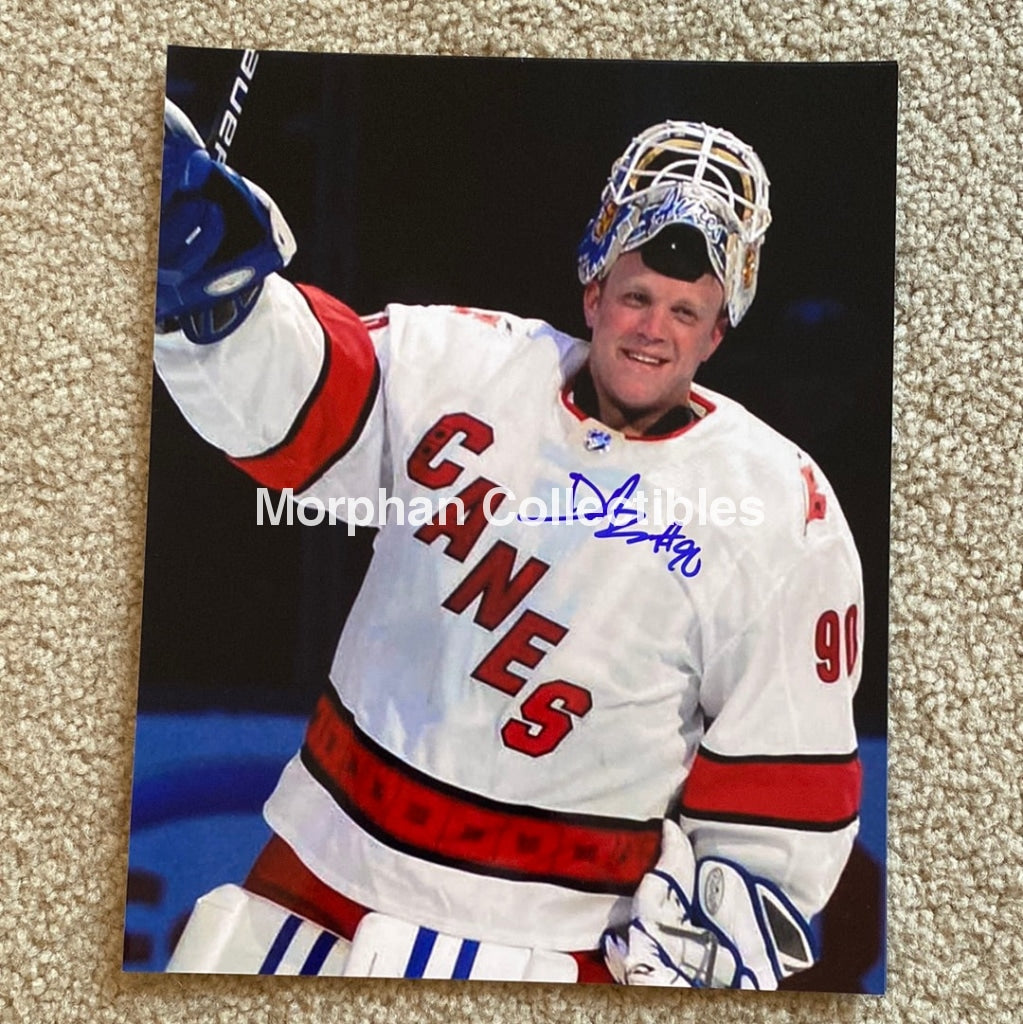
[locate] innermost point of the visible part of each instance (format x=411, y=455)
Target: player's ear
x=717, y=334
x=591, y=300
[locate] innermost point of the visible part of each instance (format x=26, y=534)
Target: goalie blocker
x=221, y=236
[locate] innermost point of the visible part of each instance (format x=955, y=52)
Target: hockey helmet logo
x=604, y=219
x=680, y=207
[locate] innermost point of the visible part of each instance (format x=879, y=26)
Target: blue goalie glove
x=220, y=237
x=707, y=925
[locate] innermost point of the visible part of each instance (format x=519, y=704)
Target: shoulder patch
x=816, y=500
x=490, y=319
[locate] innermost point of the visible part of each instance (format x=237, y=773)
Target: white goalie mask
x=683, y=172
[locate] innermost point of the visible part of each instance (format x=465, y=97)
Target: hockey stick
x=226, y=123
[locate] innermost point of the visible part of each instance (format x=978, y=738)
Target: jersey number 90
x=835, y=642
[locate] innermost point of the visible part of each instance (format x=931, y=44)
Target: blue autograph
x=622, y=521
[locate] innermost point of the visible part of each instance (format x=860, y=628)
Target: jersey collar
x=580, y=398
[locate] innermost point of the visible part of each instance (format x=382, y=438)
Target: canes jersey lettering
x=514, y=705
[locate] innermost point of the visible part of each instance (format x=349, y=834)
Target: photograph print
x=516, y=596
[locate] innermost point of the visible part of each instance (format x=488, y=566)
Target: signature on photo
x=621, y=519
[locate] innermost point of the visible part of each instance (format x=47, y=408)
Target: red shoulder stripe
x=333, y=415
x=815, y=793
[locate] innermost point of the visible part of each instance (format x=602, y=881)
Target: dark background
x=470, y=181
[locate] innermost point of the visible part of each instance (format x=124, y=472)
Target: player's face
x=649, y=335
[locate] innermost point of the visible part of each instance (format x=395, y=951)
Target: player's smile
x=650, y=334
x=643, y=358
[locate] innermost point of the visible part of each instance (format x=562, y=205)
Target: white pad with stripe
x=233, y=931
x=386, y=947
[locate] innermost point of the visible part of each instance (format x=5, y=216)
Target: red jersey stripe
x=333, y=415
x=412, y=812
x=814, y=793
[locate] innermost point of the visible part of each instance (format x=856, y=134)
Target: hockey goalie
x=590, y=746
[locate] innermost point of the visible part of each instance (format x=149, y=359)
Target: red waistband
x=280, y=876
x=425, y=818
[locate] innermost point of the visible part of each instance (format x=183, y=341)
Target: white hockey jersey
x=518, y=699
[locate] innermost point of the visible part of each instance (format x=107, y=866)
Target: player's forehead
x=630, y=272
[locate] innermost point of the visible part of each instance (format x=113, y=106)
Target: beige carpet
x=79, y=161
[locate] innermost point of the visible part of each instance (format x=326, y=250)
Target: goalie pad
x=387, y=947
x=233, y=931
x=220, y=237
x=707, y=925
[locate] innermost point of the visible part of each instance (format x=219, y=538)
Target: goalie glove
x=220, y=237
x=663, y=946
x=707, y=925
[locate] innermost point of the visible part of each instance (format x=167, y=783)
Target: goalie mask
x=684, y=173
